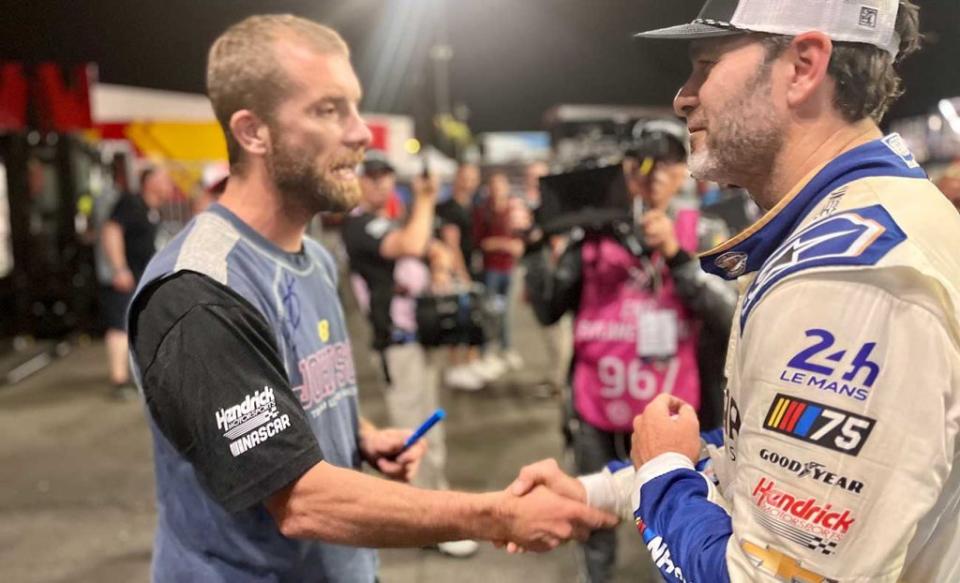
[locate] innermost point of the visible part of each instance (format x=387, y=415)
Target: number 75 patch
x=818, y=424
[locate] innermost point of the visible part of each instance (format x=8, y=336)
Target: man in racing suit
x=837, y=460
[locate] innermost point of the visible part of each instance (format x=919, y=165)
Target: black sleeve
x=441, y=219
x=216, y=387
x=447, y=214
x=712, y=299
x=363, y=235
x=442, y=213
x=553, y=291
x=120, y=213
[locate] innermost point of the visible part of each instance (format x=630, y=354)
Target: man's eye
x=324, y=110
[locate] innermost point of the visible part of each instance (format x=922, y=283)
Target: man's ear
x=809, y=55
x=250, y=132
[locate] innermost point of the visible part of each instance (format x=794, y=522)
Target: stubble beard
x=745, y=141
x=308, y=189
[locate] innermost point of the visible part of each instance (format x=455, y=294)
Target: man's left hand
x=379, y=447
x=668, y=424
x=659, y=234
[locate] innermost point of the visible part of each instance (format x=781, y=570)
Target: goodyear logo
x=818, y=424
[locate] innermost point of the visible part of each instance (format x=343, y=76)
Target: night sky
x=512, y=59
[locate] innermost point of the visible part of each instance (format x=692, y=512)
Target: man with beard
x=844, y=348
x=240, y=348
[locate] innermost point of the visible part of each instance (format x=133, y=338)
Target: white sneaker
x=512, y=359
x=493, y=366
x=463, y=378
x=460, y=549
x=489, y=371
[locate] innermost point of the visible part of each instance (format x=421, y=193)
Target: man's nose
x=686, y=100
x=357, y=134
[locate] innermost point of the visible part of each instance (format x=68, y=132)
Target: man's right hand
x=546, y=473
x=541, y=520
x=425, y=188
x=123, y=281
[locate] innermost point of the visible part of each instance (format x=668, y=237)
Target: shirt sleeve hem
x=289, y=471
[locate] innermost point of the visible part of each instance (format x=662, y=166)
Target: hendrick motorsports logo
x=803, y=520
x=252, y=421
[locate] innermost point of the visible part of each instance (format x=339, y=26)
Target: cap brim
x=378, y=168
x=689, y=31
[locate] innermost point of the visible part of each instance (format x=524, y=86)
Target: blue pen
x=437, y=416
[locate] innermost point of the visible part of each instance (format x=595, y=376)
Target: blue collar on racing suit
x=748, y=251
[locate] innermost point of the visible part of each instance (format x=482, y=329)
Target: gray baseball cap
x=871, y=22
x=375, y=163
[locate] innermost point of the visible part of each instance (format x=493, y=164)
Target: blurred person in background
x=557, y=338
x=388, y=258
x=456, y=219
x=466, y=370
x=637, y=319
x=532, y=174
x=497, y=236
x=213, y=181
x=240, y=347
x=128, y=240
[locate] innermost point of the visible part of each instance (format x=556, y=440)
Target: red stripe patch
x=787, y=416
x=796, y=416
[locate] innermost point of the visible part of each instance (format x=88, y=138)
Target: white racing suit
x=840, y=440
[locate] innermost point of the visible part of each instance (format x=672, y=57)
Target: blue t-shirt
x=242, y=353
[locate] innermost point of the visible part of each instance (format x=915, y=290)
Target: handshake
x=544, y=506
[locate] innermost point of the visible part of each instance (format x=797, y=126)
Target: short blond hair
x=243, y=71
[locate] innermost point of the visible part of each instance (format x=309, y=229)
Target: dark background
x=513, y=59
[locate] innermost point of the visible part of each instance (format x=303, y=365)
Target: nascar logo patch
x=818, y=424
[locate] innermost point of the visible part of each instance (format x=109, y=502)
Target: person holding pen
x=240, y=348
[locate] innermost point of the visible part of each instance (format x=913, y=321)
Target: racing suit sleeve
x=612, y=489
x=848, y=428
x=553, y=290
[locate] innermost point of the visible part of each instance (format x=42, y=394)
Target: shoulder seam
x=786, y=281
x=176, y=323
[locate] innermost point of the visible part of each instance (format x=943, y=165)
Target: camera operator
x=640, y=302
x=388, y=257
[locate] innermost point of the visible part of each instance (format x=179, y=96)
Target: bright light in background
x=949, y=113
x=412, y=146
x=399, y=45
